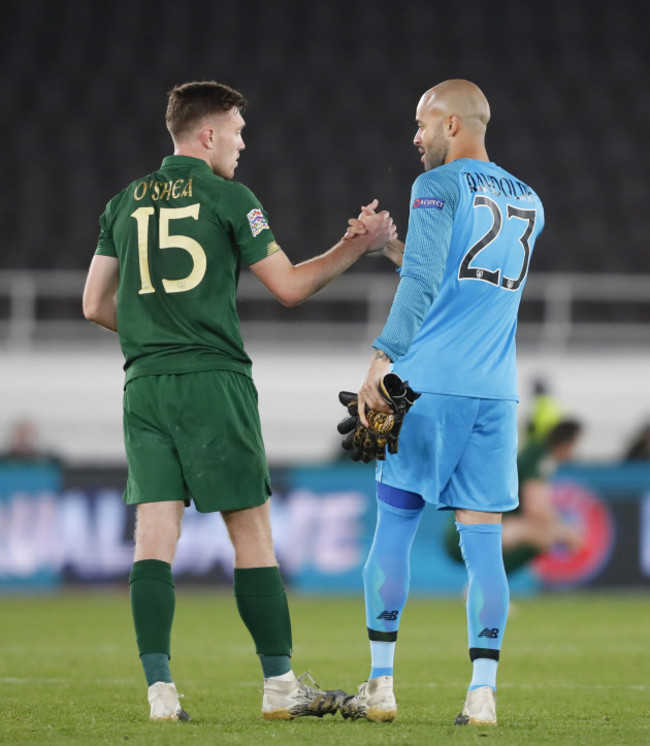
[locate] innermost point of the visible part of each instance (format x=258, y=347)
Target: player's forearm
x=395, y=251
x=308, y=277
x=410, y=305
x=292, y=285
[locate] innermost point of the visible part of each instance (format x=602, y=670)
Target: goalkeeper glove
x=367, y=443
x=400, y=398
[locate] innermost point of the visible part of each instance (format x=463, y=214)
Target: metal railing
x=558, y=310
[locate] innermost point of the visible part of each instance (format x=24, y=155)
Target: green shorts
x=195, y=436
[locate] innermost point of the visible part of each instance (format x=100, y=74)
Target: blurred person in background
x=23, y=445
x=164, y=277
x=639, y=447
x=536, y=525
x=545, y=411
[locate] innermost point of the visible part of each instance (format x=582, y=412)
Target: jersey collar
x=187, y=161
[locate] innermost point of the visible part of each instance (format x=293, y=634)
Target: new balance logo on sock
x=491, y=632
x=391, y=616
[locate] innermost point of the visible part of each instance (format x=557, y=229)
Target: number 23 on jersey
x=470, y=271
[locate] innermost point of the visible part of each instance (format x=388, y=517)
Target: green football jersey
x=180, y=235
x=533, y=463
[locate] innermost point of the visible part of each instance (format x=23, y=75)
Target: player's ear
x=453, y=125
x=206, y=137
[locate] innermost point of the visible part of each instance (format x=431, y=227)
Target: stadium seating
x=333, y=88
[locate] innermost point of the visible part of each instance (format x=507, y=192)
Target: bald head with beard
x=452, y=118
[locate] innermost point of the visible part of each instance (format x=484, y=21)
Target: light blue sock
x=386, y=579
x=484, y=673
x=488, y=597
x=382, y=655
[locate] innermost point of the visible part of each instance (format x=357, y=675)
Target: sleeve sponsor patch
x=429, y=202
x=257, y=221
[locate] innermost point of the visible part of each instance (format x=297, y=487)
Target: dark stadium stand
x=333, y=88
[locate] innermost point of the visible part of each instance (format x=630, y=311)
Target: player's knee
x=156, y=534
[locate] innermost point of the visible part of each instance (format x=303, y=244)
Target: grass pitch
x=574, y=670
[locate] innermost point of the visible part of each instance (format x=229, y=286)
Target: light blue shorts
x=457, y=452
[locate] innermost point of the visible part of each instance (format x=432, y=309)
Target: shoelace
x=308, y=675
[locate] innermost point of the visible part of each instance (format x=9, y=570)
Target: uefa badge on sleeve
x=257, y=221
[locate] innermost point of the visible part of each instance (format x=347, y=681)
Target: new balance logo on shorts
x=491, y=632
x=389, y=616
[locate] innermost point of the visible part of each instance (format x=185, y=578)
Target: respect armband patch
x=429, y=202
x=257, y=221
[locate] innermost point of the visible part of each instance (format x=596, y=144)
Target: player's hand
x=356, y=227
x=400, y=397
x=364, y=443
x=369, y=396
x=369, y=441
x=393, y=250
x=380, y=230
x=364, y=224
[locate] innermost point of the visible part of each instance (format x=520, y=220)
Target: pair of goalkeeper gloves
x=368, y=443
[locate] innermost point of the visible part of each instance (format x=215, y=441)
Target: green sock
x=275, y=665
x=262, y=605
x=156, y=667
x=152, y=604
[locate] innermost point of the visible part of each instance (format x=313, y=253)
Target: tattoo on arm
x=381, y=355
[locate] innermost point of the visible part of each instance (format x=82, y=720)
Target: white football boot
x=374, y=701
x=286, y=700
x=163, y=699
x=480, y=708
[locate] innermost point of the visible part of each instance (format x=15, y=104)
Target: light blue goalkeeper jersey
x=451, y=329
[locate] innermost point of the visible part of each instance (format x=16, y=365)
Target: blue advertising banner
x=29, y=506
x=67, y=528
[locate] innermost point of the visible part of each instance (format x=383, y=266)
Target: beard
x=436, y=153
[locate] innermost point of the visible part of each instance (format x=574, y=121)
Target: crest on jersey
x=429, y=202
x=257, y=221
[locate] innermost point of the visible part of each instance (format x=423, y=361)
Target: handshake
x=388, y=244
x=368, y=443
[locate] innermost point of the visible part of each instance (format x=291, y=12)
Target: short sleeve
x=105, y=243
x=249, y=224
